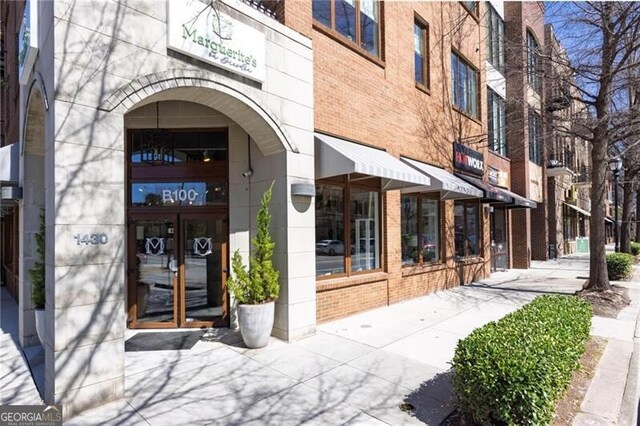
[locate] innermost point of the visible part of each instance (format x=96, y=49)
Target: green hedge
x=513, y=371
x=619, y=266
x=635, y=249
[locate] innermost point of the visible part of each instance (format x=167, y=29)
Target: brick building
x=10, y=19
x=151, y=127
x=568, y=156
x=524, y=38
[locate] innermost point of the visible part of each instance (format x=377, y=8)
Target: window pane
x=454, y=78
x=472, y=236
x=464, y=81
x=458, y=212
x=409, y=230
x=418, y=49
x=369, y=25
x=178, y=194
x=430, y=231
x=329, y=230
x=473, y=94
x=322, y=11
x=346, y=18
x=364, y=230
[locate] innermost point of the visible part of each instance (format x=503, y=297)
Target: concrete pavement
x=361, y=370
x=17, y=386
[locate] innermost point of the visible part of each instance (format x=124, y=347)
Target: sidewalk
x=16, y=382
x=359, y=370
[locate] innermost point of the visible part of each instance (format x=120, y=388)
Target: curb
x=631, y=397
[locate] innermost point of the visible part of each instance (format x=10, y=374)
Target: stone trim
x=127, y=96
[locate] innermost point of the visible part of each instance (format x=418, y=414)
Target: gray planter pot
x=256, y=323
x=40, y=327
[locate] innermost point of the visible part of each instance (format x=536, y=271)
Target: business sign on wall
x=497, y=177
x=467, y=159
x=206, y=33
x=28, y=41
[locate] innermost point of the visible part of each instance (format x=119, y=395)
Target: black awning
x=519, y=202
x=492, y=194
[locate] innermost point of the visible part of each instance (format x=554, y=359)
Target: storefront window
x=329, y=230
x=340, y=250
x=420, y=237
x=364, y=230
x=467, y=234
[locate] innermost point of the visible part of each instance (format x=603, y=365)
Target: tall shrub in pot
x=257, y=288
x=37, y=275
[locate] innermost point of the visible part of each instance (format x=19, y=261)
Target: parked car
x=330, y=247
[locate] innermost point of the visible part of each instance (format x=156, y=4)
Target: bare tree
x=603, y=39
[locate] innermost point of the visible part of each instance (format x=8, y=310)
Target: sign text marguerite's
x=196, y=29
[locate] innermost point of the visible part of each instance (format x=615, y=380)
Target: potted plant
x=37, y=280
x=257, y=289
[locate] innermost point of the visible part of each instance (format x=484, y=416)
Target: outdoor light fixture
x=153, y=144
x=205, y=156
x=615, y=165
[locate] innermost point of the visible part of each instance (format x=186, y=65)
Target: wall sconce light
x=205, y=156
x=303, y=189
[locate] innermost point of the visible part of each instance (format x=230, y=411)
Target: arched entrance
x=31, y=207
x=177, y=214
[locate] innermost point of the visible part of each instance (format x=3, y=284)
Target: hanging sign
x=205, y=32
x=467, y=159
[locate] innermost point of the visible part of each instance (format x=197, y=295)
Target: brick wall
x=376, y=102
x=519, y=18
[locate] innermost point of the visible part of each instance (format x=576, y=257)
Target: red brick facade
x=375, y=101
x=11, y=17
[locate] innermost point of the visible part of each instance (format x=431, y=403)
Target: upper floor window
x=535, y=138
x=421, y=51
x=464, y=86
x=358, y=21
x=471, y=6
x=533, y=63
x=495, y=39
x=496, y=112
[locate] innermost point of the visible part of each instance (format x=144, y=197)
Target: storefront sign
x=467, y=159
x=28, y=41
x=204, y=31
x=498, y=177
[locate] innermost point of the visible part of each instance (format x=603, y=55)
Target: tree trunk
x=637, y=215
x=598, y=276
x=625, y=229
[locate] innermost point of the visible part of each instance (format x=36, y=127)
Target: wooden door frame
x=216, y=321
x=132, y=293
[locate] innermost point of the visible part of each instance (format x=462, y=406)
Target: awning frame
x=447, y=184
x=336, y=157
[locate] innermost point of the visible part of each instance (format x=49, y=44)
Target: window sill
x=421, y=87
x=471, y=260
x=408, y=271
x=504, y=157
x=348, y=44
x=352, y=281
x=464, y=114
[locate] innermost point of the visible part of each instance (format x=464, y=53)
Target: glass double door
x=177, y=270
